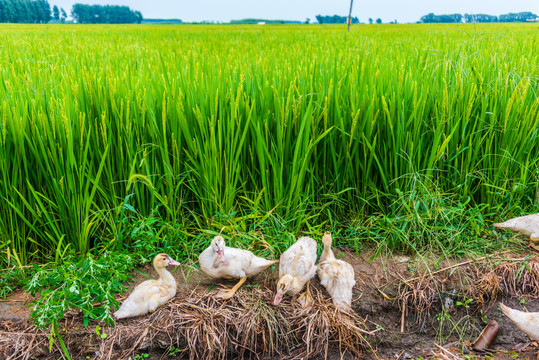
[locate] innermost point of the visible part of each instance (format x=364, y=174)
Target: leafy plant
x=173, y=351
x=88, y=284
x=102, y=335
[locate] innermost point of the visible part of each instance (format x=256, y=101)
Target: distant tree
x=517, y=17
x=307, y=21
x=335, y=19
x=45, y=11
x=431, y=18
x=370, y=20
x=479, y=18
x=107, y=14
x=55, y=13
x=265, y=21
x=378, y=21
x=21, y=13
x=80, y=13
x=25, y=11
x=63, y=15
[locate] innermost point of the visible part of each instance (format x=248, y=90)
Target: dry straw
x=203, y=327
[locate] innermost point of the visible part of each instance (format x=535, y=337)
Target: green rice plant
x=298, y=127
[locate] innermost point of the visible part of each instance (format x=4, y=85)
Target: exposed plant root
x=479, y=281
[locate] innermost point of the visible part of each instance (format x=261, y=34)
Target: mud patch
x=14, y=308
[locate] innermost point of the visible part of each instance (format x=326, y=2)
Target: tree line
x=335, y=19
x=458, y=18
x=105, y=14
x=39, y=11
x=25, y=11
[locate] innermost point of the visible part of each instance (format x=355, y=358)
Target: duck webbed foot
x=534, y=242
x=306, y=299
x=227, y=294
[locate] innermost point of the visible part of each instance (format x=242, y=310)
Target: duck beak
x=278, y=299
x=171, y=261
x=221, y=255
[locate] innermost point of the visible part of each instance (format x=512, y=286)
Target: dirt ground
x=413, y=307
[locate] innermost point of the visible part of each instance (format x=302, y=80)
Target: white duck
x=336, y=276
x=527, y=322
x=528, y=225
x=150, y=294
x=297, y=267
x=221, y=261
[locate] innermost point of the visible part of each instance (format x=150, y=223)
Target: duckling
x=528, y=225
x=337, y=276
x=150, y=294
x=296, y=268
x=221, y=261
x=528, y=323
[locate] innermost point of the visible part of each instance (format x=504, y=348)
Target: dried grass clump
x=203, y=327
x=529, y=279
x=507, y=273
x=324, y=328
x=519, y=278
x=418, y=296
x=485, y=290
x=478, y=281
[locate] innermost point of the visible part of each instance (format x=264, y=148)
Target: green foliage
x=102, y=335
x=173, y=351
x=10, y=280
x=88, y=284
x=426, y=220
x=462, y=327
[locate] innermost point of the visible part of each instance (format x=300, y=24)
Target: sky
x=388, y=10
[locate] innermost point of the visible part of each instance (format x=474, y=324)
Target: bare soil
x=413, y=307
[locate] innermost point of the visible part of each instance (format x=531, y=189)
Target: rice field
x=207, y=126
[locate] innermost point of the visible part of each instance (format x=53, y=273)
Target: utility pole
x=350, y=15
